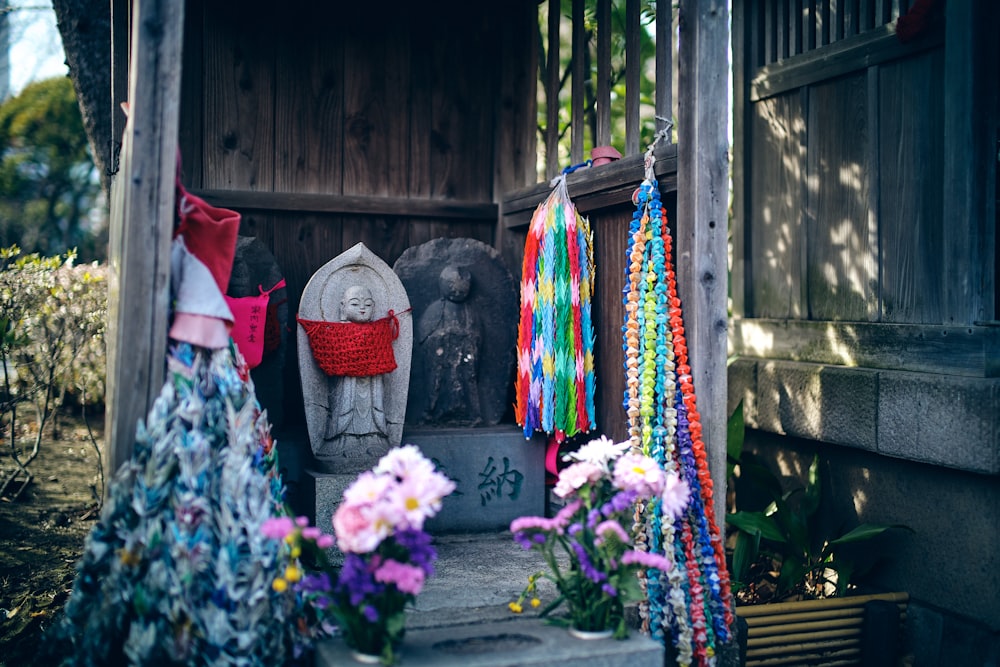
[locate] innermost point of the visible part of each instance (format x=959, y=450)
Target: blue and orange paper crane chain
x=692, y=604
x=555, y=340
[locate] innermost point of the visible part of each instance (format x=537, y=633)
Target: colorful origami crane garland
x=692, y=603
x=555, y=362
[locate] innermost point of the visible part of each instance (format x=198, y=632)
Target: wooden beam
x=142, y=215
x=592, y=189
x=350, y=204
x=949, y=350
x=702, y=214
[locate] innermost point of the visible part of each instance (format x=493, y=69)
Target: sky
x=36, y=47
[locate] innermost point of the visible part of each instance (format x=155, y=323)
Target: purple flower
x=586, y=566
x=370, y=612
x=610, y=590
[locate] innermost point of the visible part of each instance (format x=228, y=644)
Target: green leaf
x=865, y=531
x=756, y=523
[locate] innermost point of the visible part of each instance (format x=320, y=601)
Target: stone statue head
x=455, y=283
x=357, y=304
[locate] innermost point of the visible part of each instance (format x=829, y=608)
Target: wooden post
x=702, y=204
x=142, y=214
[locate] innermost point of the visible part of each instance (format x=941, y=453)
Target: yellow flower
x=535, y=602
x=292, y=574
x=296, y=551
x=515, y=607
x=279, y=585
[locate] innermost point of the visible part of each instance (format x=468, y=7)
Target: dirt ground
x=42, y=533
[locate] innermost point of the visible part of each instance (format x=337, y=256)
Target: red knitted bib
x=353, y=348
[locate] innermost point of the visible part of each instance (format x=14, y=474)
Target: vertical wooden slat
x=794, y=27
x=664, y=64
x=836, y=20
x=604, y=72
x=970, y=160
x=824, y=35
x=743, y=32
x=238, y=99
x=776, y=231
x=809, y=36
x=867, y=18
x=632, y=67
x=552, y=93
x=911, y=152
x=578, y=123
x=843, y=267
x=191, y=131
x=770, y=33
x=883, y=12
x=610, y=246
x=781, y=15
x=757, y=47
x=517, y=118
x=142, y=217
x=702, y=229
x=309, y=104
x=852, y=16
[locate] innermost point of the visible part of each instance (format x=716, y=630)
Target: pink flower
x=277, y=528
x=575, y=476
x=358, y=528
x=675, y=496
x=407, y=578
x=646, y=559
x=639, y=473
x=324, y=541
x=610, y=527
x=301, y=521
x=311, y=532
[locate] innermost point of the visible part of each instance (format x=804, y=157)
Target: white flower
x=599, y=452
x=404, y=462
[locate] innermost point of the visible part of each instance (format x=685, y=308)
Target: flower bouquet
x=587, y=545
x=379, y=526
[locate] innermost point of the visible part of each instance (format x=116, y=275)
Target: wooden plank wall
x=845, y=187
x=368, y=111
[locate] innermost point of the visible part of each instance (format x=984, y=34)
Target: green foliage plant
x=53, y=314
x=786, y=543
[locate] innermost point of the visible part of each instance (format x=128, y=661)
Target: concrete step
x=461, y=617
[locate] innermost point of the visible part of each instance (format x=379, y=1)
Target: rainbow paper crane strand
x=691, y=603
x=555, y=361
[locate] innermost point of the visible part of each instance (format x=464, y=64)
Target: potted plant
x=794, y=580
x=587, y=545
x=387, y=556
